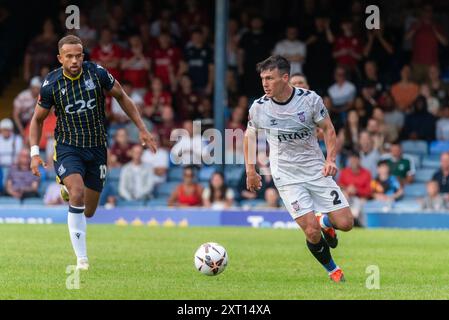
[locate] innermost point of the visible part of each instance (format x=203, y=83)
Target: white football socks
x=76, y=221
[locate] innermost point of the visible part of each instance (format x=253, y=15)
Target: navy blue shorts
x=90, y=163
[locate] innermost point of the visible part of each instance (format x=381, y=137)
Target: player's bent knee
x=89, y=213
x=347, y=223
x=313, y=234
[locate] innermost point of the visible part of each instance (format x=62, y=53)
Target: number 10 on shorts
x=103, y=170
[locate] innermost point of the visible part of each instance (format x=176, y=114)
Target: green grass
x=157, y=263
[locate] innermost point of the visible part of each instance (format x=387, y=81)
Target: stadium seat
x=252, y=203
x=415, y=190
x=9, y=200
x=416, y=159
x=206, y=172
x=424, y=175
x=132, y=203
x=233, y=175
x=114, y=174
x=438, y=147
x=43, y=186
x=165, y=189
x=415, y=147
x=175, y=173
x=157, y=202
x=375, y=205
x=411, y=205
x=33, y=201
x=5, y=175
x=50, y=175
x=431, y=163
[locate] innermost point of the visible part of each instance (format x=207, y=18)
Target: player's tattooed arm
x=330, y=139
x=133, y=113
x=36, y=125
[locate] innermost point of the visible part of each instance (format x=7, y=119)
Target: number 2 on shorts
x=336, y=197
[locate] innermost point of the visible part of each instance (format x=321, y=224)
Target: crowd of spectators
x=381, y=87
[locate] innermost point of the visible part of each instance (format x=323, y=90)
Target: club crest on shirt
x=61, y=170
x=63, y=91
x=90, y=85
x=302, y=116
x=296, y=206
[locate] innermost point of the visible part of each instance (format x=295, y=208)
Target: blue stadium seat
x=157, y=202
x=51, y=174
x=175, y=173
x=415, y=190
x=132, y=203
x=5, y=175
x=206, y=172
x=431, y=163
x=407, y=205
x=43, y=185
x=416, y=159
x=415, y=147
x=374, y=205
x=165, y=189
x=424, y=175
x=33, y=201
x=8, y=200
x=252, y=203
x=114, y=174
x=233, y=175
x=438, y=147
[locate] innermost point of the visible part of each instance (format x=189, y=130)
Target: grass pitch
x=157, y=263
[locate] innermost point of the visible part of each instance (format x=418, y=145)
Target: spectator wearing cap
x=24, y=104
x=21, y=183
x=355, y=182
x=10, y=143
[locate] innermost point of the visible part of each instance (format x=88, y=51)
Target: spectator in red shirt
x=425, y=35
x=155, y=99
x=136, y=64
x=166, y=126
x=108, y=54
x=120, y=153
x=355, y=182
x=347, y=48
x=166, y=58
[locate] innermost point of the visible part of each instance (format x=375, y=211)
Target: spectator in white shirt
x=342, y=92
x=292, y=49
x=24, y=104
x=136, y=178
x=159, y=161
x=10, y=143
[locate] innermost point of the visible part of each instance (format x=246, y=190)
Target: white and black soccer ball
x=211, y=259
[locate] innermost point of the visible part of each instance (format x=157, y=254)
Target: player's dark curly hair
x=273, y=62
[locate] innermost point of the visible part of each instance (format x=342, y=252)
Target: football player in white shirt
x=303, y=177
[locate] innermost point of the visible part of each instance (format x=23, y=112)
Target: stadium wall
x=167, y=217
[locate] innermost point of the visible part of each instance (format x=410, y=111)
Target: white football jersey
x=290, y=128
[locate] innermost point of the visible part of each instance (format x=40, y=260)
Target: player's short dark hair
x=69, y=39
x=273, y=62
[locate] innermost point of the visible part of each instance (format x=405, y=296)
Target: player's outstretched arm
x=330, y=139
x=253, y=180
x=37, y=122
x=131, y=110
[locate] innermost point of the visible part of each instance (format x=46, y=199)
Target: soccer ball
x=211, y=259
